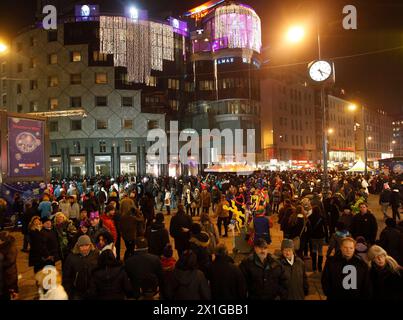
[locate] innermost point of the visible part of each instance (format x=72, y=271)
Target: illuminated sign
x=225, y=60
x=86, y=12
x=180, y=27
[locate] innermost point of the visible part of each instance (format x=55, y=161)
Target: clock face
x=320, y=71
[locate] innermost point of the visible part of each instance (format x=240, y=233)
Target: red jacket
x=110, y=225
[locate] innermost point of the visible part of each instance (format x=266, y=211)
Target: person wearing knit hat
x=294, y=271
x=386, y=275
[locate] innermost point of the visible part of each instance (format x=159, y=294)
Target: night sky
x=376, y=79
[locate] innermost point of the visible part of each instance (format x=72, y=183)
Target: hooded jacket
x=158, y=238
x=188, y=285
x=265, y=281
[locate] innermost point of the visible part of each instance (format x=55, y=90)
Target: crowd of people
x=82, y=223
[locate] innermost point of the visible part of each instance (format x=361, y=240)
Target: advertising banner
x=26, y=147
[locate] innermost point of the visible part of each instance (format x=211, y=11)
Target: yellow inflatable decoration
x=237, y=215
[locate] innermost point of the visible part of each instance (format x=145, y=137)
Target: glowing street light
x=330, y=131
x=3, y=48
x=369, y=138
x=352, y=107
x=295, y=34
x=134, y=13
x=393, y=142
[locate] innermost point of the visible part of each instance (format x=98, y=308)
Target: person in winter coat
x=168, y=265
x=211, y=229
x=226, y=279
x=74, y=209
x=96, y=226
x=108, y=221
x=284, y=216
x=83, y=229
x=196, y=202
x=391, y=239
x=215, y=197
x=91, y=203
x=395, y=203
x=102, y=199
x=386, y=275
x=109, y=280
x=260, y=226
x=55, y=292
x=364, y=224
x=45, y=207
x=276, y=199
x=297, y=281
x=179, y=230
x=361, y=249
x=335, y=240
x=333, y=274
x=64, y=206
x=36, y=253
x=205, y=201
x=199, y=244
x=31, y=210
x=222, y=216
x=18, y=207
x=3, y=211
x=347, y=217
x=104, y=241
x=188, y=282
x=77, y=270
x=65, y=231
x=265, y=276
x=167, y=201
x=126, y=204
x=318, y=235
x=144, y=270
x=157, y=236
x=50, y=244
x=384, y=200
x=299, y=226
x=9, y=273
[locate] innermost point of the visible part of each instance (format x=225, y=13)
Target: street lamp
x=3, y=48
x=295, y=34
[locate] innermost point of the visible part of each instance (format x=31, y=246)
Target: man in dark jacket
x=144, y=270
x=8, y=267
x=346, y=276
x=50, y=245
x=391, y=239
x=384, y=200
x=297, y=281
x=226, y=280
x=265, y=276
x=284, y=215
x=179, y=230
x=157, y=236
x=78, y=269
x=364, y=224
x=395, y=203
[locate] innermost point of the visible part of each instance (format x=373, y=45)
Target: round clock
x=320, y=71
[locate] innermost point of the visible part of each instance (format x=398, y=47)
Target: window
x=128, y=146
x=101, y=101
x=189, y=87
x=174, y=104
x=19, y=108
x=127, y=124
x=52, y=58
x=75, y=56
x=4, y=98
x=3, y=67
x=53, y=103
x=53, y=147
x=206, y=85
x=101, y=78
x=127, y=101
x=33, y=106
x=75, y=125
x=102, y=124
x=75, y=78
x=173, y=84
x=76, y=147
x=33, y=63
x=53, y=81
x=4, y=84
x=52, y=35
x=19, y=67
x=75, y=102
x=53, y=126
x=19, y=88
x=152, y=124
x=102, y=146
x=99, y=57
x=152, y=81
x=33, y=84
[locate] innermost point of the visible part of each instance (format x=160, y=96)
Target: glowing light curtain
x=138, y=45
x=239, y=25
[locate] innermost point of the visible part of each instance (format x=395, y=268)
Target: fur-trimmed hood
x=202, y=239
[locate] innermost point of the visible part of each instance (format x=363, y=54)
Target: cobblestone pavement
x=28, y=289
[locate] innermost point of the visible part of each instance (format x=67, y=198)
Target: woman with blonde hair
x=386, y=275
x=65, y=231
